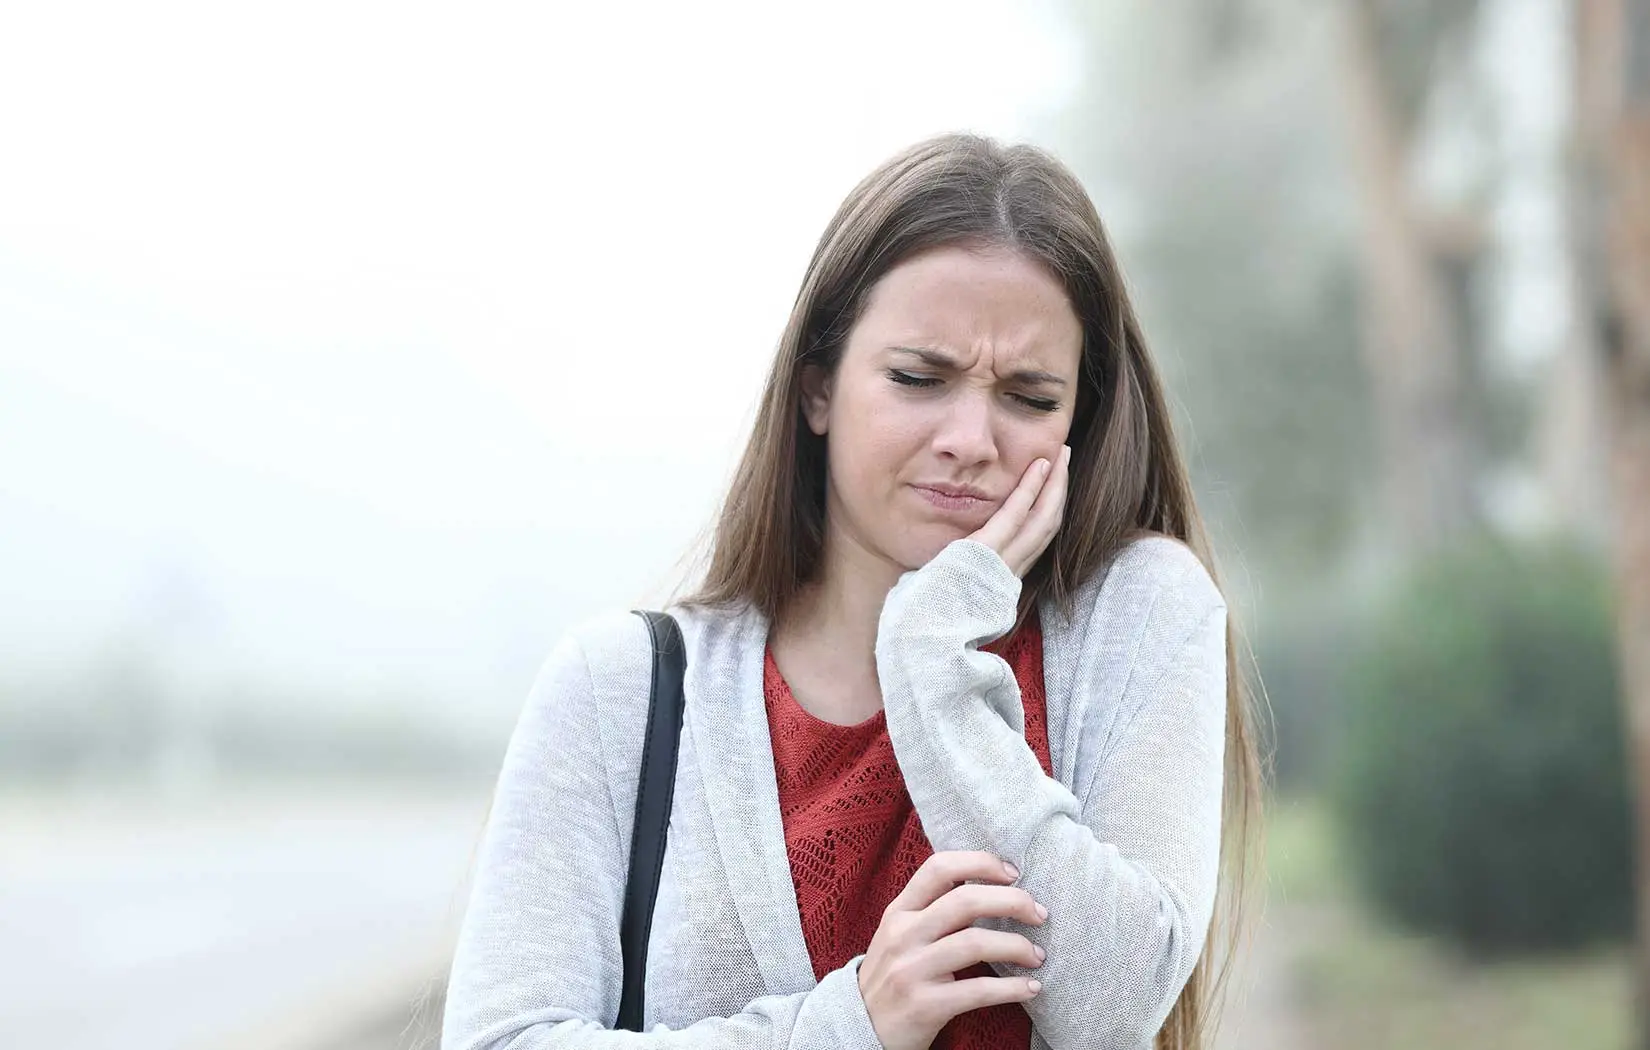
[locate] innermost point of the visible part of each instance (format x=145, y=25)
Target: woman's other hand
x=927, y=935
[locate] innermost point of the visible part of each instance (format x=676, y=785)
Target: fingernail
x=1039, y=952
x=1035, y=986
x=1013, y=872
x=1042, y=912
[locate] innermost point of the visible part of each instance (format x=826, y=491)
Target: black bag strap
x=653, y=798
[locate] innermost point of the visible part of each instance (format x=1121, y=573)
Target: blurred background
x=349, y=353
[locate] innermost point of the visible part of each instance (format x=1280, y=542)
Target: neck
x=838, y=613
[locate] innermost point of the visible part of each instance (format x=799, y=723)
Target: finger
x=958, y=909
x=1043, y=519
x=965, y=948
x=971, y=994
x=1009, y=518
x=945, y=871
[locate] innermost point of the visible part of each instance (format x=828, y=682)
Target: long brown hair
x=1126, y=474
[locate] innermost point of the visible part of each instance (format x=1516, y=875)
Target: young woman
x=963, y=732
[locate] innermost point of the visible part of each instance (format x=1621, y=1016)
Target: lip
x=957, y=490
x=953, y=498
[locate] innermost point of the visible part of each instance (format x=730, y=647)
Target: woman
x=956, y=614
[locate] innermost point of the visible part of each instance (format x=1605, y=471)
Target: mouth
x=955, y=501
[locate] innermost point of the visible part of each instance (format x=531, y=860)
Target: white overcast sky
x=364, y=347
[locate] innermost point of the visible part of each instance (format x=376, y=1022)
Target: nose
x=965, y=433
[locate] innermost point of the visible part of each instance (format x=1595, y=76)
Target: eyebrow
x=943, y=360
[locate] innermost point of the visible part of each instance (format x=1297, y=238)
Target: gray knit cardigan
x=1121, y=844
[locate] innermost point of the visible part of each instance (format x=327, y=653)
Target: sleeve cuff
x=839, y=995
x=967, y=578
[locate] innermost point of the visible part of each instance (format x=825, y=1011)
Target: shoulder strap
x=653, y=798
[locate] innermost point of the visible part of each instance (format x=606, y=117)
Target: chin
x=918, y=546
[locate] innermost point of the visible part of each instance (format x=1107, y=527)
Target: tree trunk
x=1570, y=442
x=1612, y=63
x=1412, y=342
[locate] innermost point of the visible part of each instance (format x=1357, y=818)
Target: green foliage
x=1359, y=984
x=1482, y=781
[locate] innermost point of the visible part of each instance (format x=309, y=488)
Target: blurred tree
x=1482, y=781
x=1314, y=304
x=1420, y=350
x=1612, y=246
x=1324, y=363
x=1206, y=143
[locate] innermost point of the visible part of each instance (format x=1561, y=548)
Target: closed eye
x=907, y=379
x=1039, y=404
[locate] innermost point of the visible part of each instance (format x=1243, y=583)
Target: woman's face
x=961, y=371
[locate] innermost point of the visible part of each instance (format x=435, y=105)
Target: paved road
x=264, y=922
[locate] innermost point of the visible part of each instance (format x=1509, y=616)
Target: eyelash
x=1038, y=404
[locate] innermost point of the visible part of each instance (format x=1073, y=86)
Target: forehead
x=969, y=300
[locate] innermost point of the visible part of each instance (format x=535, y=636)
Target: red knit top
x=854, y=838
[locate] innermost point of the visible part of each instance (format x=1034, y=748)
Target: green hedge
x=1482, y=775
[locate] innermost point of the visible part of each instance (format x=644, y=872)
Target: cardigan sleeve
x=1127, y=863
x=537, y=964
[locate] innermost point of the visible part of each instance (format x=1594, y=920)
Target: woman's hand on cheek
x=1025, y=524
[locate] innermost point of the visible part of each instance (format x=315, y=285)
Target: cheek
x=1024, y=441
x=877, y=426
x=872, y=441
x=899, y=430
